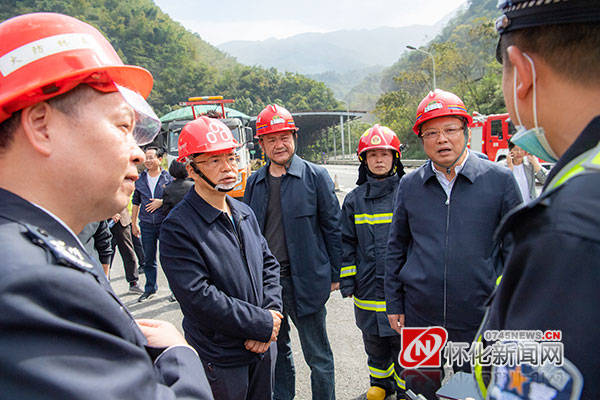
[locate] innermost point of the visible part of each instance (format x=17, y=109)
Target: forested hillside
x=465, y=62
x=182, y=64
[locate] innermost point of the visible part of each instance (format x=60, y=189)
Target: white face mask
x=531, y=140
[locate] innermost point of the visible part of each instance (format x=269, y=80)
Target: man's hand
x=534, y=161
x=160, y=333
x=116, y=218
x=135, y=229
x=335, y=286
x=277, y=317
x=154, y=205
x=396, y=322
x=509, y=160
x=256, y=347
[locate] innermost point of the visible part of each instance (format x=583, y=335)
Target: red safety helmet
x=43, y=55
x=204, y=135
x=274, y=119
x=378, y=137
x=440, y=103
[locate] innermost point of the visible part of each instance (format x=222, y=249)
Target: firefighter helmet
x=440, y=103
x=204, y=135
x=378, y=137
x=43, y=55
x=274, y=119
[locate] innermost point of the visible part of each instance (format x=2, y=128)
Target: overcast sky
x=222, y=21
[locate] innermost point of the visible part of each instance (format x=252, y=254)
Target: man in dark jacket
x=440, y=266
x=551, y=83
x=299, y=214
x=366, y=218
x=178, y=188
x=96, y=238
x=147, y=205
x=221, y=270
x=69, y=107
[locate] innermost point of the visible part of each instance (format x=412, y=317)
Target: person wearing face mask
x=366, y=217
x=220, y=269
x=441, y=265
x=551, y=85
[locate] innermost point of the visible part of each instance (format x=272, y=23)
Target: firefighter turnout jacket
x=366, y=218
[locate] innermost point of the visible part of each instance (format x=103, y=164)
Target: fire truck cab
x=490, y=135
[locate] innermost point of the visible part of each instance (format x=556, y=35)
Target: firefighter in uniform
x=71, y=118
x=551, y=84
x=221, y=270
x=366, y=216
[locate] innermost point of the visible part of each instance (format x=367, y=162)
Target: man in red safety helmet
x=441, y=263
x=366, y=218
x=221, y=270
x=299, y=214
x=72, y=116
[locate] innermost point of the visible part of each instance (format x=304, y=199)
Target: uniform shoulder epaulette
x=65, y=255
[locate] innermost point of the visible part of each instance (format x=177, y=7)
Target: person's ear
x=36, y=122
x=523, y=69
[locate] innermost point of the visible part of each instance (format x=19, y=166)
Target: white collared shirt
x=447, y=185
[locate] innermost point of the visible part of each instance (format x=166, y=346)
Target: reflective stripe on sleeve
x=373, y=219
x=348, y=271
x=370, y=305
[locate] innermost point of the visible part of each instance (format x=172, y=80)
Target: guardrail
x=407, y=163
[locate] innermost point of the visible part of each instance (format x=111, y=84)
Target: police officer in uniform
x=551, y=84
x=70, y=116
x=366, y=217
x=221, y=270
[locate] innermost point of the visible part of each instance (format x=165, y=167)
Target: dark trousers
x=246, y=382
x=149, y=234
x=382, y=359
x=139, y=250
x=315, y=347
x=121, y=238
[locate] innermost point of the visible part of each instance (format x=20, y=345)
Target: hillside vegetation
x=182, y=64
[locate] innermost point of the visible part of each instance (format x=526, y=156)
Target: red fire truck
x=490, y=134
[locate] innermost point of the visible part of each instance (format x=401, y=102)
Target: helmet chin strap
x=391, y=172
x=201, y=175
x=449, y=168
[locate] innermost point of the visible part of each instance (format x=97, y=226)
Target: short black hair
x=159, y=152
x=177, y=170
x=66, y=103
x=569, y=49
x=511, y=145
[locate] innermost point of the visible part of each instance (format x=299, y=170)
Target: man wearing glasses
x=441, y=264
x=221, y=270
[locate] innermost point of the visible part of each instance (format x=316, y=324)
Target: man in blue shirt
x=441, y=264
x=147, y=205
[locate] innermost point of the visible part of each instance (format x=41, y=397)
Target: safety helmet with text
x=378, y=137
x=274, y=118
x=440, y=103
x=204, y=135
x=43, y=55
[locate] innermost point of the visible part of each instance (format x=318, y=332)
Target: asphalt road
x=351, y=373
